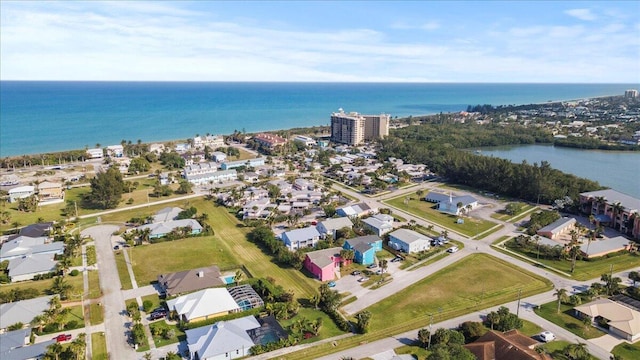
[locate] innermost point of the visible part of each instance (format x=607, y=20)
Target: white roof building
x=222, y=340
x=22, y=311
x=204, y=304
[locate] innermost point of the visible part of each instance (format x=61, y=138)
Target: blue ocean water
x=38, y=117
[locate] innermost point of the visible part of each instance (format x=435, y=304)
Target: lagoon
x=619, y=170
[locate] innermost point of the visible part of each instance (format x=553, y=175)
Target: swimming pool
x=228, y=279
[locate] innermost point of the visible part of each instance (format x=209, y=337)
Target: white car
x=452, y=249
x=546, y=336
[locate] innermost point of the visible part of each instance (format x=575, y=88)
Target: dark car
x=157, y=315
x=355, y=272
x=117, y=247
x=372, y=266
x=62, y=338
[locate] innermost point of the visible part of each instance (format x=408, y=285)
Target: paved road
x=115, y=320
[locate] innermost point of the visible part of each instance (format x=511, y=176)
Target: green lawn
x=565, y=320
x=586, y=270
x=500, y=239
x=416, y=350
x=160, y=327
x=95, y=314
x=151, y=260
x=42, y=286
x=627, y=351
x=555, y=349
x=154, y=298
x=123, y=273
x=327, y=330
x=501, y=215
x=425, y=210
x=455, y=290
x=94, y=285
x=98, y=346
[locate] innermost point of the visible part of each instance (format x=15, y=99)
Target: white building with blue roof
x=452, y=204
x=301, y=238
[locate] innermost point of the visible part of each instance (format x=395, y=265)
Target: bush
x=74, y=272
x=73, y=324
x=147, y=305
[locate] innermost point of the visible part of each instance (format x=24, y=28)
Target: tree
x=493, y=319
x=423, y=337
x=562, y=296
x=586, y=321
x=61, y=287
x=611, y=284
x=577, y=351
x=383, y=265
x=78, y=346
x=107, y=188
x=185, y=187
x=238, y=277
x=139, y=165
x=54, y=351
x=471, y=330
x=363, y=318
x=634, y=276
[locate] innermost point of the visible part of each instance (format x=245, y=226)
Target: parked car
x=372, y=266
x=62, y=338
x=355, y=272
x=452, y=249
x=157, y=315
x=396, y=259
x=332, y=284
x=546, y=336
x=117, y=247
x=363, y=279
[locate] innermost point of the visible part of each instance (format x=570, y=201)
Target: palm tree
x=61, y=287
x=64, y=264
x=39, y=322
x=493, y=318
x=53, y=351
x=562, y=296
x=79, y=346
x=383, y=265
x=617, y=210
x=237, y=277
x=577, y=351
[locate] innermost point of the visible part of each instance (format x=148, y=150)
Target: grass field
x=95, y=314
x=327, y=330
x=627, y=351
x=563, y=319
x=454, y=290
x=501, y=215
x=94, y=284
x=123, y=273
x=161, y=325
x=424, y=210
x=42, y=286
x=586, y=270
x=154, y=298
x=98, y=347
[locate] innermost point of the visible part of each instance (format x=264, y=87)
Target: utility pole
x=518, y=308
x=430, y=331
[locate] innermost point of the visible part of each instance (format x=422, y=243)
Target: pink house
x=323, y=264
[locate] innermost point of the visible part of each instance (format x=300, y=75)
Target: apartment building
x=354, y=128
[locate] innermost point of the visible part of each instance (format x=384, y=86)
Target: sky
x=341, y=41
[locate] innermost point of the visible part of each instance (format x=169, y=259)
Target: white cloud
x=582, y=14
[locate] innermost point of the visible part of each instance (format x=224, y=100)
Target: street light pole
x=430, y=327
x=518, y=308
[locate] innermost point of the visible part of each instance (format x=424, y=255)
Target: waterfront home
x=95, y=153
x=301, y=238
x=50, y=192
x=452, y=204
x=187, y=281
x=242, y=163
x=269, y=141
x=203, y=305
x=15, y=345
x=614, y=209
x=409, y=241
x=380, y=224
x=223, y=340
x=156, y=148
x=212, y=141
x=622, y=320
x=557, y=228
x=21, y=192
x=323, y=264
x=364, y=248
x=23, y=311
x=115, y=151
x=330, y=226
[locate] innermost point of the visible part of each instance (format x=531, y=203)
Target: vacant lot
x=98, y=346
x=425, y=210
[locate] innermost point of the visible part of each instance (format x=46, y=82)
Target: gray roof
x=22, y=311
x=166, y=214
x=35, y=351
x=221, y=337
x=14, y=339
x=408, y=236
x=376, y=223
x=303, y=234
x=367, y=240
x=163, y=228
x=441, y=197
x=322, y=257
x=558, y=225
x=606, y=245
x=612, y=196
x=336, y=223
x=24, y=245
x=32, y=264
x=36, y=230
x=188, y=280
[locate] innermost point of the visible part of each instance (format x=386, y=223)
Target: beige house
x=48, y=191
x=623, y=321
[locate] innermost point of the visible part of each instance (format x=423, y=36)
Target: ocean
x=38, y=117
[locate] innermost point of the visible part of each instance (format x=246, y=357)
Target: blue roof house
x=301, y=238
x=364, y=248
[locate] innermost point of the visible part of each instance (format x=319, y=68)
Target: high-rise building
x=354, y=128
x=633, y=93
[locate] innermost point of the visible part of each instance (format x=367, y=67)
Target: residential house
x=614, y=209
x=21, y=192
x=301, y=238
x=324, y=264
x=269, y=141
x=223, y=340
x=203, y=305
x=510, y=345
x=380, y=224
x=452, y=204
x=159, y=230
x=28, y=266
x=303, y=184
x=115, y=151
x=257, y=209
x=207, y=173
x=22, y=246
x=42, y=229
x=602, y=247
x=22, y=311
x=307, y=141
x=212, y=141
x=219, y=156
x=166, y=214
x=357, y=210
x=49, y=192
x=331, y=225
x=559, y=227
x=240, y=163
x=364, y=248
x=409, y=241
x=623, y=321
x=14, y=345
x=156, y=148
x=95, y=153
x=187, y=281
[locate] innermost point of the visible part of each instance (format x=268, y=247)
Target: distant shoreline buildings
x=354, y=128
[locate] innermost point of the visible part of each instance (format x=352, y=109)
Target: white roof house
x=380, y=224
x=409, y=241
x=222, y=340
x=330, y=226
x=95, y=153
x=28, y=266
x=166, y=214
x=21, y=192
x=300, y=238
x=25, y=245
x=622, y=320
x=22, y=311
x=204, y=304
x=163, y=228
x=603, y=247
